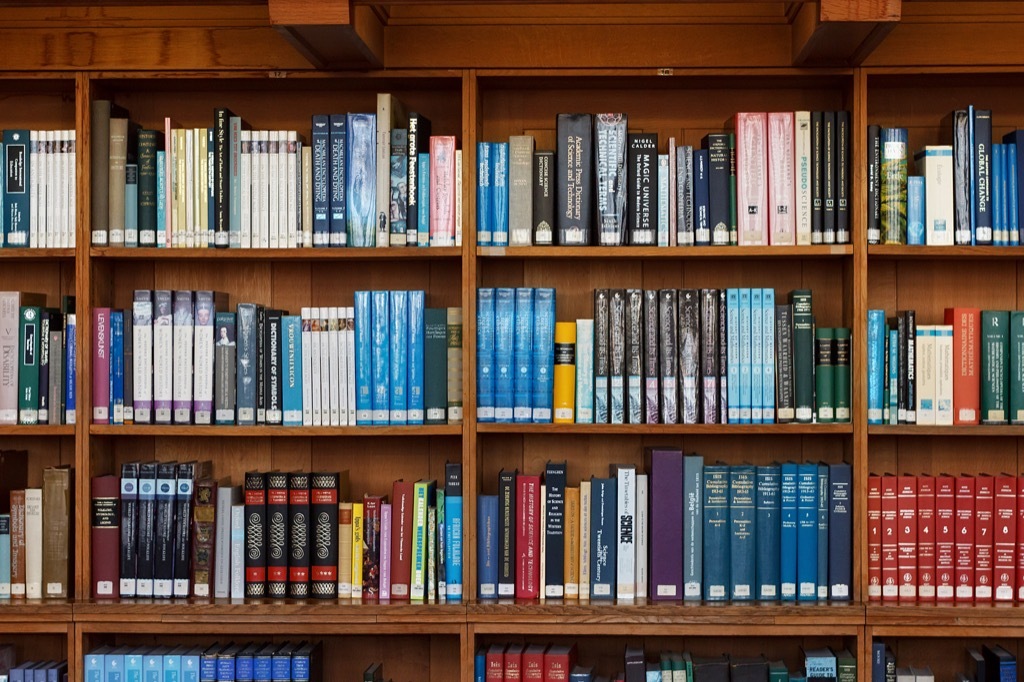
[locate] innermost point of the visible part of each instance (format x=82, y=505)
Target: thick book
x=716, y=145
x=642, y=193
x=129, y=528
x=401, y=538
x=299, y=535
x=278, y=534
x=603, y=538
x=965, y=493
x=105, y=530
x=925, y=537
x=634, y=392
x=693, y=527
x=668, y=304
x=752, y=177
x=183, y=331
x=145, y=561
x=612, y=178
x=564, y=379
x=650, y=412
x=617, y=356
x=666, y=537
x=807, y=532
x=981, y=134
x=874, y=169
x=768, y=507
x=186, y=475
x=163, y=530
x=255, y=534
x=520, y=190
x=453, y=540
x=522, y=356
x=504, y=354
x=689, y=350
x=828, y=177
x=840, y=532
x=906, y=557
x=575, y=181
x=742, y=532
x=994, y=380
x=602, y=355
x=442, y=190
x=204, y=534
x=893, y=181
x=803, y=355
x=781, y=179
x=360, y=179
x=527, y=536
x=984, y=536
x=435, y=366
x=717, y=545
x=1004, y=540
x=100, y=365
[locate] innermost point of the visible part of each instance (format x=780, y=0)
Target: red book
x=533, y=663
x=781, y=184
x=106, y=535
x=1004, y=574
x=926, y=538
x=984, y=536
x=965, y=490
x=890, y=543
x=1020, y=539
x=945, y=534
x=401, y=538
x=528, y=513
x=514, y=662
x=874, y=538
x=495, y=660
x=966, y=364
x=442, y=190
x=101, y=366
x=558, y=663
x=371, y=544
x=906, y=536
x=752, y=178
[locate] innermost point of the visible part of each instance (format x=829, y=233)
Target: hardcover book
x=575, y=188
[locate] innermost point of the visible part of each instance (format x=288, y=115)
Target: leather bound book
x=106, y=520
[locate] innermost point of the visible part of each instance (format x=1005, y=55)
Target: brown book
x=56, y=531
x=18, y=543
x=106, y=530
x=204, y=527
x=401, y=538
x=13, y=476
x=116, y=178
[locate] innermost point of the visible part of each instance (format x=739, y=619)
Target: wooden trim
x=667, y=429
x=981, y=430
x=118, y=253
x=276, y=431
x=681, y=252
x=903, y=252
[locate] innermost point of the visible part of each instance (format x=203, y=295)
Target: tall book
x=642, y=194
x=554, y=529
x=520, y=190
x=667, y=504
x=752, y=177
x=255, y=532
x=419, y=143
x=105, y=529
x=767, y=527
x=893, y=181
x=528, y=539
x=717, y=545
x=742, y=532
x=575, y=181
x=129, y=528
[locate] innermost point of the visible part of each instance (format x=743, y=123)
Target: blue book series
x=423, y=199
x=1000, y=236
x=745, y=356
x=398, y=327
x=522, y=357
x=302, y=661
x=292, y=363
x=133, y=666
x=116, y=408
x=487, y=545
x=788, y=531
x=717, y=560
x=732, y=311
x=363, y=362
x=742, y=535
x=245, y=663
x=94, y=663
x=769, y=509
x=840, y=524
x=417, y=337
x=756, y=355
x=485, y=369
x=153, y=666
x=504, y=350
x=336, y=198
x=189, y=665
x=172, y=665
x=807, y=532
x=1013, y=141
x=543, y=355
x=281, y=664
x=321, y=136
x=823, y=534
x=263, y=664
x=361, y=179
x=768, y=356
x=484, y=228
x=499, y=193
x=380, y=352
x=603, y=537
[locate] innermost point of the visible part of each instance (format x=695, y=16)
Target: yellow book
x=180, y=165
x=572, y=543
x=357, y=550
x=345, y=549
x=565, y=372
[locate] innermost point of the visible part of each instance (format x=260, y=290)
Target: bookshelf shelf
x=37, y=430
x=945, y=616
x=668, y=429
x=655, y=252
x=435, y=253
x=967, y=431
x=22, y=611
x=276, y=431
x=37, y=254
x=900, y=252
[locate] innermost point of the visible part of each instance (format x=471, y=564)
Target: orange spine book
x=966, y=364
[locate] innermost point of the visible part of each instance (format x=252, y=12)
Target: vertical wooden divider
x=83, y=304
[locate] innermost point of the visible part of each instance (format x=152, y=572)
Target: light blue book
x=190, y=664
x=522, y=357
x=915, y=210
x=336, y=187
x=894, y=378
x=876, y=365
x=417, y=337
x=361, y=179
x=788, y=531
x=131, y=204
x=172, y=664
x=161, y=198
x=380, y=350
x=423, y=199
x=732, y=313
x=485, y=355
x=453, y=534
x=113, y=665
x=543, y=355
x=398, y=337
x=768, y=356
x=1012, y=200
x=94, y=663
x=153, y=665
x=483, y=194
x=499, y=193
x=745, y=356
x=806, y=531
x=321, y=138
x=756, y=356
x=133, y=665
x=70, y=369
x=584, y=371
x=504, y=342
x=363, y=362
x=5, y=556
x=291, y=400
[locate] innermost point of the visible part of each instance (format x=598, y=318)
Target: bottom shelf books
x=985, y=664
x=252, y=662
x=33, y=671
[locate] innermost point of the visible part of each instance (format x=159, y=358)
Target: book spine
x=554, y=529
x=299, y=535
x=385, y=540
x=634, y=407
x=803, y=355
x=693, y=527
x=802, y=167
x=984, y=536
x=807, y=532
x=278, y=534
x=442, y=190
x=504, y=355
x=651, y=365
x=874, y=169
x=907, y=537
x=684, y=196
x=499, y=193
x=781, y=185
x=256, y=536
x=100, y=365
x=522, y=356
x=33, y=543
x=994, y=351
x=453, y=538
x=104, y=527
x=360, y=166
x=575, y=182
x=742, y=549
x=768, y=355
x=667, y=512
x=982, y=169
x=701, y=199
x=757, y=342
x=926, y=531
x=419, y=141
x=17, y=543
x=603, y=533
x=665, y=196
x=291, y=370
x=965, y=537
x=1004, y=560
x=668, y=302
x=184, y=489
x=733, y=346
x=565, y=372
x=521, y=190
x=893, y=181
x=164, y=530
x=415, y=354
x=543, y=198
x=602, y=355
x=717, y=545
x=617, y=357
x=842, y=177
x=752, y=177
x=824, y=374
x=641, y=197
x=828, y=176
x=716, y=146
x=610, y=151
x=116, y=409
x=506, y=533
x=204, y=532
x=723, y=357
x=454, y=330
x=129, y=528
x=889, y=502
x=745, y=357
x=484, y=194
x=768, y=507
x=584, y=371
x=688, y=340
x=966, y=323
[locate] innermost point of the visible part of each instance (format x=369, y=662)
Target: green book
x=824, y=375
x=733, y=229
x=435, y=366
x=803, y=355
x=678, y=667
x=665, y=664
x=842, y=374
x=846, y=667
x=423, y=492
x=431, y=593
x=777, y=671
x=1016, y=373
x=150, y=141
x=28, y=365
x=442, y=579
x=995, y=342
x=894, y=185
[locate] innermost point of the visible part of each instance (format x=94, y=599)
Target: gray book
x=56, y=387
x=224, y=368
x=634, y=355
x=684, y=196
x=245, y=364
x=610, y=133
x=237, y=552
x=520, y=190
x=227, y=497
x=617, y=355
x=693, y=527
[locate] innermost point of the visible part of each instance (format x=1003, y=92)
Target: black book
x=890, y=665
x=617, y=356
x=636, y=668
x=723, y=358
x=129, y=527
x=817, y=168
x=828, y=177
x=602, y=357
x=842, y=167
x=982, y=176
x=909, y=352
x=714, y=669
x=221, y=176
x=543, y=198
x=507, y=533
x=874, y=184
x=129, y=364
x=299, y=535
x=277, y=548
x=977, y=669
x=998, y=662
x=419, y=143
x=651, y=412
x=163, y=559
x=274, y=387
x=785, y=403
x=261, y=365
x=610, y=135
x=150, y=142
x=689, y=356
x=634, y=356
x=188, y=473
x=323, y=510
x=255, y=534
x=719, y=169
x=709, y=355
x=43, y=385
x=575, y=188
x=554, y=529
x=145, y=560
x=668, y=302
x=742, y=669
x=642, y=188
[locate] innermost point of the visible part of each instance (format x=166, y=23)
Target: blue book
x=361, y=179
x=788, y=531
x=70, y=369
x=701, y=198
x=55, y=672
x=732, y=313
x=453, y=531
x=281, y=664
x=756, y=356
x=745, y=341
x=876, y=365
x=153, y=666
x=320, y=137
x=291, y=400
x=807, y=531
x=742, y=532
x=981, y=144
x=131, y=204
x=717, y=560
x=894, y=356
x=603, y=537
x=487, y=545
x=417, y=339
x=999, y=235
x=208, y=664
x=1012, y=200
x=5, y=556
x=16, y=189
x=398, y=332
x=580, y=673
x=480, y=666
x=93, y=665
x=1004, y=199
x=364, y=364
x=336, y=198
x=768, y=529
x=302, y=661
x=485, y=355
x=693, y=527
x=877, y=661
x=190, y=664
x=245, y=663
x=499, y=193
x=504, y=349
x=380, y=347
x=820, y=663
x=840, y=533
x=39, y=672
x=768, y=356
x=915, y=210
x=161, y=198
x=134, y=664
x=113, y=666
x=115, y=411
x=93, y=668
x=522, y=357
x=423, y=199
x=543, y=355
x=172, y=665
x=484, y=228
x=263, y=664
x=823, y=536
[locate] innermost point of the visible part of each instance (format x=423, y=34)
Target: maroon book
x=371, y=543
x=495, y=663
x=204, y=526
x=514, y=662
x=528, y=511
x=401, y=538
x=106, y=536
x=666, y=536
x=558, y=663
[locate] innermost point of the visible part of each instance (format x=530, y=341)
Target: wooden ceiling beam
x=841, y=32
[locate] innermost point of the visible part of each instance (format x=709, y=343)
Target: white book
x=943, y=339
x=204, y=178
x=183, y=341
x=51, y=165
x=350, y=350
x=306, y=176
x=584, y=371
x=63, y=196
x=283, y=190
x=34, y=543
x=584, y=589
x=341, y=376
x=936, y=164
x=802, y=170
x=625, y=574
x=258, y=190
x=190, y=188
x=316, y=367
x=307, y=368
x=227, y=496
x=273, y=185
x=238, y=551
x=35, y=167
x=142, y=365
x=291, y=204
x=67, y=238
x=245, y=186
x=327, y=372
x=163, y=363
x=203, y=354
x=334, y=351
x=458, y=197
x=640, y=530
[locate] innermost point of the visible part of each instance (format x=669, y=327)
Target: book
x=893, y=182
x=575, y=181
x=105, y=529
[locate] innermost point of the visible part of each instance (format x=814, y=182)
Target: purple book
x=385, y=551
x=666, y=536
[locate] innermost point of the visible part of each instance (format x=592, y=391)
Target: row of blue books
x=252, y=662
x=39, y=671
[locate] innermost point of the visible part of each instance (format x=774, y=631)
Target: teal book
x=742, y=532
x=292, y=361
x=767, y=531
x=717, y=546
x=398, y=334
x=768, y=356
x=16, y=188
x=788, y=531
x=745, y=385
x=807, y=532
x=423, y=199
x=823, y=530
x=756, y=356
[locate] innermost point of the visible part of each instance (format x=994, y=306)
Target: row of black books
x=30, y=671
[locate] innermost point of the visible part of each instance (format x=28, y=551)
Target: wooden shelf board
x=669, y=429
x=37, y=254
x=686, y=252
x=274, y=431
x=16, y=613
x=342, y=254
x=939, y=616
x=37, y=430
x=971, y=431
x=901, y=252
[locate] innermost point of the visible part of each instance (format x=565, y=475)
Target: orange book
x=966, y=364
